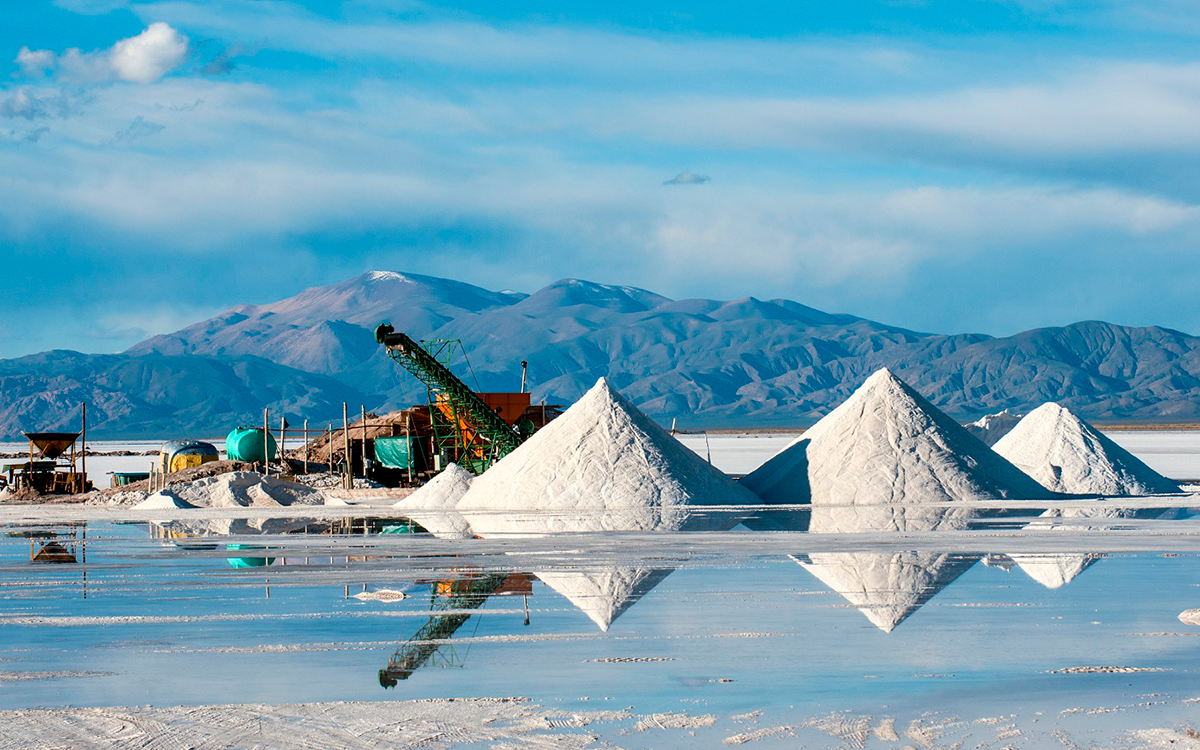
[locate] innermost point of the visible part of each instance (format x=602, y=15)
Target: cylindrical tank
x=183, y=454
x=246, y=444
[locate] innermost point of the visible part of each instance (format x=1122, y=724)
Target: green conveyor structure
x=467, y=406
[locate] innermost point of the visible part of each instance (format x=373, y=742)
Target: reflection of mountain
x=886, y=587
x=604, y=594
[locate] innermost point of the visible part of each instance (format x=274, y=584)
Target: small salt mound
x=871, y=463
x=235, y=489
x=1066, y=454
x=1190, y=617
x=380, y=595
x=991, y=427
x=601, y=466
x=887, y=588
x=604, y=594
x=432, y=505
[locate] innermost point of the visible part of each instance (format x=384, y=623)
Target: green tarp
x=393, y=452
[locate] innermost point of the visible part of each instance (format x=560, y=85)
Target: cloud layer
x=941, y=184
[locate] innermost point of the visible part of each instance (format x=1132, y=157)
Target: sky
x=951, y=167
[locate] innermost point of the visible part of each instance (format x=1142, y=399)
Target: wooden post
x=266, y=447
x=282, y=442
x=408, y=442
x=329, y=444
x=349, y=480
x=306, y=446
x=83, y=460
x=363, y=450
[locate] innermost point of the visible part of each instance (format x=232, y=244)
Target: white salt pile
x=1190, y=617
x=601, y=466
x=991, y=427
x=432, y=506
x=604, y=594
x=886, y=587
x=888, y=450
x=887, y=460
x=1066, y=454
x=236, y=489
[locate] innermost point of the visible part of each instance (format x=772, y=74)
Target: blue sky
x=968, y=166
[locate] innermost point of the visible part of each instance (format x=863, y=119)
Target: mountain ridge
x=747, y=362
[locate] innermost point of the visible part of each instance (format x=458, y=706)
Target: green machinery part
x=439, y=380
x=465, y=595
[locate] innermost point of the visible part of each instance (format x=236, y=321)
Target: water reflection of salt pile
x=604, y=594
x=887, y=460
x=602, y=466
x=1066, y=454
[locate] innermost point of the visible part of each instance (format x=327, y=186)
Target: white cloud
x=35, y=62
x=150, y=55
x=144, y=58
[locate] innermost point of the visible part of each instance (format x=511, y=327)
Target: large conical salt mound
x=601, y=466
x=886, y=587
x=605, y=594
x=432, y=505
x=888, y=450
x=1066, y=454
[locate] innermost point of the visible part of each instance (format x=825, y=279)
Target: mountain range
x=711, y=363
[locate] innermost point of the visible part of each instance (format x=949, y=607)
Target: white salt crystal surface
x=432, y=505
x=1066, y=454
x=601, y=466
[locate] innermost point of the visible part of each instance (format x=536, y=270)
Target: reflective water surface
x=1058, y=635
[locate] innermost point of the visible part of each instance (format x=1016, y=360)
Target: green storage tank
x=246, y=444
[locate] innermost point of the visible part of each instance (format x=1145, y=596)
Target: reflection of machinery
x=458, y=597
x=52, y=467
x=471, y=429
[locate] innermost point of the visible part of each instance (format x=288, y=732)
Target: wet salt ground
x=729, y=634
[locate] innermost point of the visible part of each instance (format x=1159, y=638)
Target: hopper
x=51, y=445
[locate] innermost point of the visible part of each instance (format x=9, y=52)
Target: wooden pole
x=363, y=449
x=349, y=480
x=83, y=458
x=306, y=446
x=329, y=444
x=266, y=451
x=282, y=443
x=408, y=442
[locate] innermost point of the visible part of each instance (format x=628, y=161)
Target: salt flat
x=723, y=639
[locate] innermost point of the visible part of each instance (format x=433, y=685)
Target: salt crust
x=432, y=505
x=1066, y=454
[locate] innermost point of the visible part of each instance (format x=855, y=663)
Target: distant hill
x=746, y=362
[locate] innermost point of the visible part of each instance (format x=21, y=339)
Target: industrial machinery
x=51, y=468
x=471, y=429
x=457, y=598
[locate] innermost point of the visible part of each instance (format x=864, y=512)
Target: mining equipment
x=52, y=468
x=459, y=425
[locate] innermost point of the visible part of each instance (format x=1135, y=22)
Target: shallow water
x=781, y=640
